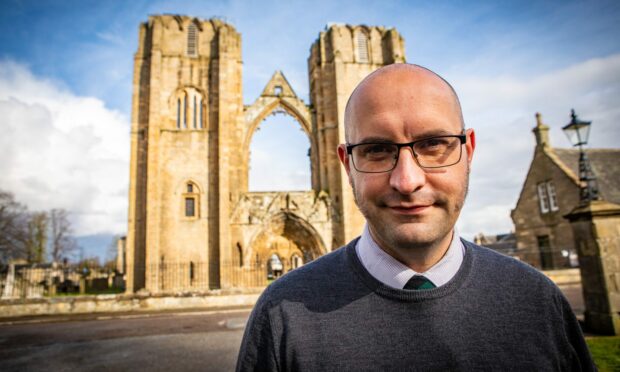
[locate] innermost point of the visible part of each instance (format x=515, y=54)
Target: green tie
x=419, y=282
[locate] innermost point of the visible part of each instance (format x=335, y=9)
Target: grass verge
x=605, y=351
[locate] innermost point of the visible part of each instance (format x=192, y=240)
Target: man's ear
x=344, y=159
x=470, y=144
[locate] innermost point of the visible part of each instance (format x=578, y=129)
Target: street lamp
x=578, y=132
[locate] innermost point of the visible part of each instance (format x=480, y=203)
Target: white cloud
x=59, y=150
x=502, y=112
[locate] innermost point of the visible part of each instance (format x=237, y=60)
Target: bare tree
x=62, y=243
x=13, y=228
x=36, y=240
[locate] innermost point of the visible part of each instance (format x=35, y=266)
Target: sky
x=66, y=83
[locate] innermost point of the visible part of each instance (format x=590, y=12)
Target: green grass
x=605, y=351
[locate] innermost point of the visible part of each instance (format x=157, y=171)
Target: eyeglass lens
x=433, y=152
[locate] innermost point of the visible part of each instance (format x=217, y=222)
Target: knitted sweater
x=496, y=314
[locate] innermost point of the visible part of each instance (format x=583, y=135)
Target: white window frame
x=553, y=201
x=543, y=199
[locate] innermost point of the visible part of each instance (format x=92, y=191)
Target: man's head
x=408, y=206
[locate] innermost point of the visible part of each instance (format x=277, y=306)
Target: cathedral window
x=201, y=112
x=190, y=200
x=187, y=106
x=192, y=40
x=185, y=111
x=178, y=113
x=362, y=47
x=194, y=118
x=190, y=207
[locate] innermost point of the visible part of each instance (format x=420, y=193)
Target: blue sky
x=66, y=78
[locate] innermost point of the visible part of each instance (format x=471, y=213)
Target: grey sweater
x=496, y=314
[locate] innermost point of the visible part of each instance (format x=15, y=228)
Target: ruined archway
x=278, y=96
x=288, y=236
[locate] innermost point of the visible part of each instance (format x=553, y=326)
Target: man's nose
x=407, y=176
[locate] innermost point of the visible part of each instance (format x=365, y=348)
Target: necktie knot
x=418, y=282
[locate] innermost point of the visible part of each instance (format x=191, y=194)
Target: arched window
x=187, y=104
x=191, y=201
x=178, y=113
x=201, y=112
x=194, y=117
x=185, y=111
x=192, y=40
x=362, y=47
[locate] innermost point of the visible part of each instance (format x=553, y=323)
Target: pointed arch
x=290, y=226
x=278, y=96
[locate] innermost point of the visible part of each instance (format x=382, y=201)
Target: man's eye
x=432, y=144
x=377, y=149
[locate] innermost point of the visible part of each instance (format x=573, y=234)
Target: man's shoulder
x=506, y=270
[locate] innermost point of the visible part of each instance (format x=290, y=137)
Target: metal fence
x=168, y=277
x=39, y=280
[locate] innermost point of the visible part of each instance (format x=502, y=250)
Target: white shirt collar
x=392, y=272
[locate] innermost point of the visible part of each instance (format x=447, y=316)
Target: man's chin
x=410, y=236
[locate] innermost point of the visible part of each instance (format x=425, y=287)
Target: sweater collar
x=393, y=273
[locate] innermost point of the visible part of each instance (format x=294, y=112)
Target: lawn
x=605, y=351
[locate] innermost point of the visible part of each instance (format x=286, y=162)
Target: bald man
x=409, y=293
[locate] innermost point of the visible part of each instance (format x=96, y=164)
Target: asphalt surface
x=188, y=341
x=157, y=341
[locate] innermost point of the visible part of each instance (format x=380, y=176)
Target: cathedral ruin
x=193, y=224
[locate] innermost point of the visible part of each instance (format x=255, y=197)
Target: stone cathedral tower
x=341, y=57
x=193, y=224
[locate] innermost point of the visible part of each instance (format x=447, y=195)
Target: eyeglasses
x=432, y=152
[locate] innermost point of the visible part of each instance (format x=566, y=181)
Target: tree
x=37, y=237
x=62, y=243
x=13, y=228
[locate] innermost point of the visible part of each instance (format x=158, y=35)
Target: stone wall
x=124, y=303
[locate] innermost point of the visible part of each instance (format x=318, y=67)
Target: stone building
x=550, y=191
x=502, y=243
x=193, y=224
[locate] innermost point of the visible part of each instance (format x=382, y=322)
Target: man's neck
x=418, y=257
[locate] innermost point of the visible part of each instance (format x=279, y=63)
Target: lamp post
x=578, y=132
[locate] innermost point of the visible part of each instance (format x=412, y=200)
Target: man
x=409, y=294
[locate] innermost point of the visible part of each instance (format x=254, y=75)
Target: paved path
x=205, y=341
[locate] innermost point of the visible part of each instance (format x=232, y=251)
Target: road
x=205, y=341
x=181, y=341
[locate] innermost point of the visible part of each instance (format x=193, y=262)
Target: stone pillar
x=596, y=228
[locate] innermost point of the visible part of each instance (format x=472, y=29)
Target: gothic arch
x=289, y=226
x=277, y=95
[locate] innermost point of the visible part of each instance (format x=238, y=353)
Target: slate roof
x=605, y=164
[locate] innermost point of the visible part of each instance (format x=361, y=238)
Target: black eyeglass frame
x=461, y=137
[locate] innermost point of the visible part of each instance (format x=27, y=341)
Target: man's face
x=409, y=206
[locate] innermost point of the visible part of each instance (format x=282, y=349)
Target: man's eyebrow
x=376, y=140
x=419, y=136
